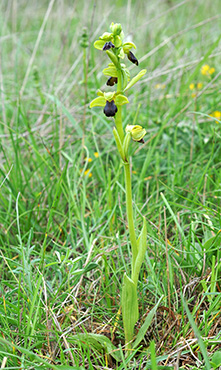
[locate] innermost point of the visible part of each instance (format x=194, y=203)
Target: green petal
x=128, y=45
x=109, y=96
x=98, y=102
x=121, y=100
x=99, y=44
x=107, y=36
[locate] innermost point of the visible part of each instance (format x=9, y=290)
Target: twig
x=63, y=337
x=4, y=362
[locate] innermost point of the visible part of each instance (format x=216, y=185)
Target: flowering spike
x=116, y=49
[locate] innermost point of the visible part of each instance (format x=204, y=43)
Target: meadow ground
x=63, y=233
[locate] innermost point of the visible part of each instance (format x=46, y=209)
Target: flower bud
x=110, y=109
x=84, y=38
x=137, y=132
x=116, y=28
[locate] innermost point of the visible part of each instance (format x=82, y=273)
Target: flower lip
x=108, y=45
x=132, y=58
x=111, y=81
x=110, y=109
x=141, y=141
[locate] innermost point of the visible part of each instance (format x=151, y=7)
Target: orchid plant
x=112, y=43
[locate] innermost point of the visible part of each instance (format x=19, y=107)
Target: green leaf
x=62, y=367
x=215, y=241
x=129, y=307
x=33, y=356
x=153, y=355
x=90, y=266
x=216, y=358
x=135, y=79
x=100, y=101
x=99, y=342
x=112, y=57
x=198, y=336
x=121, y=100
x=142, y=247
x=146, y=325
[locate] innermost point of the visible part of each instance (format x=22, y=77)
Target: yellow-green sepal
x=121, y=99
x=99, y=44
x=100, y=101
x=135, y=79
x=111, y=70
x=100, y=93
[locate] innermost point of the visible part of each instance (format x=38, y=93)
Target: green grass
x=63, y=236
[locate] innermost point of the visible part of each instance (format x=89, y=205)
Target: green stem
x=130, y=313
x=118, y=122
x=85, y=92
x=118, y=116
x=130, y=220
x=129, y=204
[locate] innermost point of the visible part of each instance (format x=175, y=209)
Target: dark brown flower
x=141, y=141
x=108, y=45
x=110, y=109
x=111, y=81
x=132, y=58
